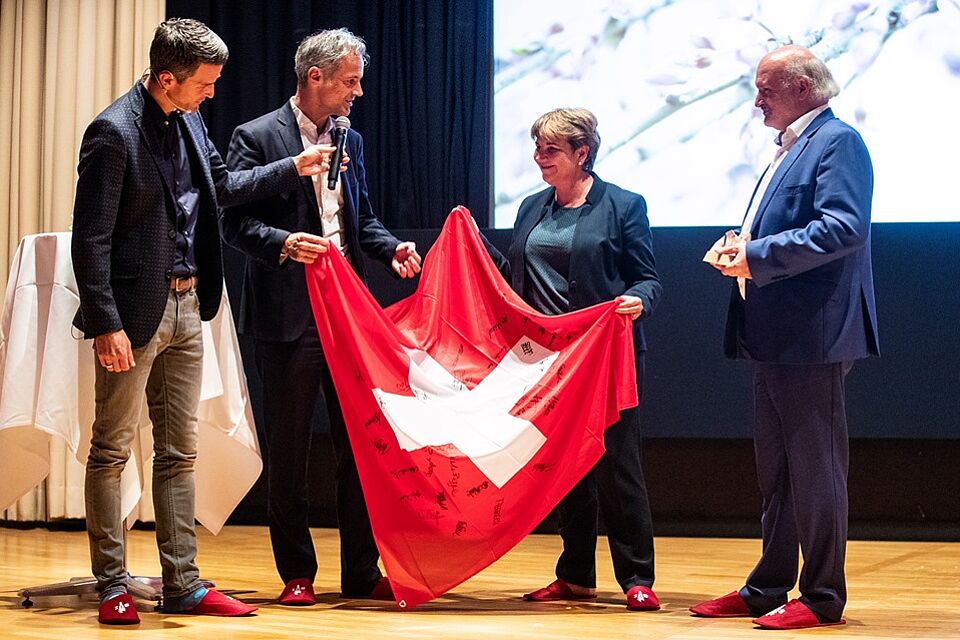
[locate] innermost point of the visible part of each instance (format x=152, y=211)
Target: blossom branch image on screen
x=671, y=84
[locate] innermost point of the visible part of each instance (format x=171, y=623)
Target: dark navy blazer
x=612, y=251
x=811, y=297
x=124, y=220
x=274, y=304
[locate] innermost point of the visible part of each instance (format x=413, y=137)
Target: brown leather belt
x=182, y=285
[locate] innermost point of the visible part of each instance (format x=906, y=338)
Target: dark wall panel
x=426, y=110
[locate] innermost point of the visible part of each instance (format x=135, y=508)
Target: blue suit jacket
x=811, y=297
x=612, y=251
x=124, y=220
x=274, y=304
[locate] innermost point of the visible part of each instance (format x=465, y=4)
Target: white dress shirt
x=784, y=140
x=329, y=201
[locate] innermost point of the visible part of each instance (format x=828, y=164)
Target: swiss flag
x=470, y=414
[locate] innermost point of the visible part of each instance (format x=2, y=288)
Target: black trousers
x=616, y=488
x=295, y=376
x=800, y=437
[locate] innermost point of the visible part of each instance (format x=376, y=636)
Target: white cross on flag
x=470, y=415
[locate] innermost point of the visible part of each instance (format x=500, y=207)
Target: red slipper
x=793, y=615
x=118, y=610
x=215, y=603
x=557, y=590
x=641, y=598
x=382, y=590
x=298, y=593
x=731, y=605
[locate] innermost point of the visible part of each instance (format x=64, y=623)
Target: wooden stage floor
x=897, y=590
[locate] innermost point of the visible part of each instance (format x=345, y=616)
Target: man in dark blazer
x=803, y=312
x=279, y=235
x=146, y=254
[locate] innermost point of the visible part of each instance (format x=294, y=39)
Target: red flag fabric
x=470, y=415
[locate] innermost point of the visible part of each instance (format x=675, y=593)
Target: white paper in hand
x=730, y=238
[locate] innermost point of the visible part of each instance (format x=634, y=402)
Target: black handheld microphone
x=340, y=126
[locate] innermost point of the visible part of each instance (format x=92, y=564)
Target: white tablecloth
x=46, y=391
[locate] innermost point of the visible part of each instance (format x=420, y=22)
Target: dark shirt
x=177, y=166
x=548, y=249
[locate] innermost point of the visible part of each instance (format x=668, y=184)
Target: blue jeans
x=169, y=369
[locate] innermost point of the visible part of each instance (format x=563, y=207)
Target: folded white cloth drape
x=46, y=392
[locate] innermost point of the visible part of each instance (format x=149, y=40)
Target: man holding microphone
x=279, y=235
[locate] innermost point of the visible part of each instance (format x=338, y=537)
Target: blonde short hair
x=577, y=127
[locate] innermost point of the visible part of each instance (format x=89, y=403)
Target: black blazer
x=274, y=304
x=612, y=250
x=124, y=220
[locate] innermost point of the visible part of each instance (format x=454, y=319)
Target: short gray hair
x=180, y=45
x=822, y=85
x=325, y=50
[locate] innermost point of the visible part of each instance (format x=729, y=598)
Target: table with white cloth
x=47, y=393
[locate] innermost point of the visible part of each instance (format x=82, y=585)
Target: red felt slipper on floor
x=382, y=590
x=298, y=593
x=118, y=610
x=215, y=603
x=793, y=615
x=731, y=605
x=641, y=598
x=557, y=590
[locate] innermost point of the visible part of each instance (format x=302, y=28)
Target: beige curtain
x=61, y=63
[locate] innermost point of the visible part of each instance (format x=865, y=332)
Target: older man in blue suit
x=146, y=254
x=802, y=311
